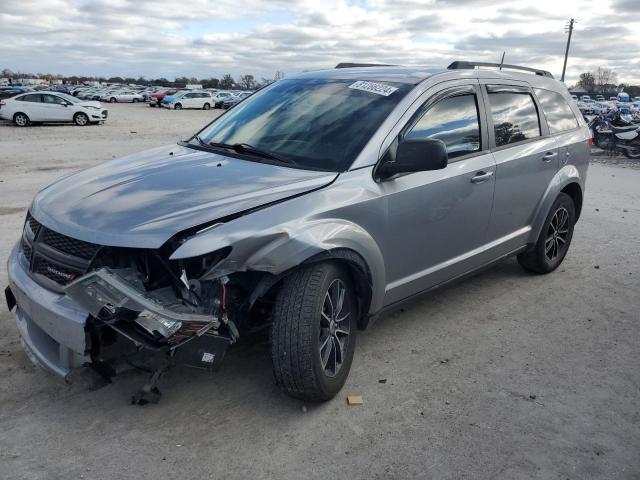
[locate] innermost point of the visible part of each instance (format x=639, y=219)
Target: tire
x=554, y=240
x=206, y=106
x=81, y=119
x=113, y=100
x=303, y=327
x=135, y=100
x=21, y=119
x=178, y=106
x=633, y=153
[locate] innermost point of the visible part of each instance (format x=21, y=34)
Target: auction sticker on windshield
x=373, y=87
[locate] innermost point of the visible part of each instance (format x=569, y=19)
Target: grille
x=70, y=246
x=56, y=272
x=34, y=225
x=27, y=250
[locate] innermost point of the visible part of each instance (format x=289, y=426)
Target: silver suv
x=309, y=209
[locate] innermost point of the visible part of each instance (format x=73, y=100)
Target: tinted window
x=318, y=123
x=30, y=98
x=53, y=99
x=515, y=117
x=559, y=115
x=453, y=120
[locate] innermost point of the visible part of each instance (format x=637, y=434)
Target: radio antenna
x=502, y=61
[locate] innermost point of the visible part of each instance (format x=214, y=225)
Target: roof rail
x=353, y=65
x=463, y=65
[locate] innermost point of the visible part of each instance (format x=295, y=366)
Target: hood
x=169, y=98
x=143, y=200
x=90, y=103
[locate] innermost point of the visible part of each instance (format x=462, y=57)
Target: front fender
x=565, y=176
x=280, y=248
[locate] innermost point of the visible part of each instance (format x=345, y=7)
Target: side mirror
x=415, y=155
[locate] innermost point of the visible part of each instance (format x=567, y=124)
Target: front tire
x=113, y=100
x=178, y=106
x=554, y=239
x=21, y=119
x=81, y=119
x=135, y=100
x=633, y=152
x=313, y=332
x=206, y=106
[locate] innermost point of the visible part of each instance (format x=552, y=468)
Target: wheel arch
x=567, y=180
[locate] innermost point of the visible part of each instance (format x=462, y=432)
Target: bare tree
x=227, y=82
x=587, y=81
x=247, y=82
x=604, y=78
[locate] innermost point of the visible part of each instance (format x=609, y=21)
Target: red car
x=155, y=99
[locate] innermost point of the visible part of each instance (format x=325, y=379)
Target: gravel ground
x=504, y=376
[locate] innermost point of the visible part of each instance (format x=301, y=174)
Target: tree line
x=226, y=82
x=604, y=80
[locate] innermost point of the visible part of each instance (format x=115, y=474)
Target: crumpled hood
x=144, y=199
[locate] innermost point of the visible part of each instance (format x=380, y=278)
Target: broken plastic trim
x=105, y=288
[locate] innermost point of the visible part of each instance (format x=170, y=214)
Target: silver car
x=309, y=209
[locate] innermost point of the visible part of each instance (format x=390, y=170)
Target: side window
x=453, y=120
x=34, y=98
x=515, y=117
x=52, y=99
x=559, y=115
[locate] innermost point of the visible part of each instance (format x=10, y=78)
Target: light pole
x=569, y=29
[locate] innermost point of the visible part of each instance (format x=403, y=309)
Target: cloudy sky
x=207, y=38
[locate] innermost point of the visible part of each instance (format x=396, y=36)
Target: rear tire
x=313, y=332
x=633, y=153
x=206, y=106
x=81, y=119
x=554, y=239
x=21, y=119
x=113, y=100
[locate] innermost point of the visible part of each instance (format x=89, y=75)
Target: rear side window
x=453, y=120
x=31, y=98
x=559, y=115
x=515, y=117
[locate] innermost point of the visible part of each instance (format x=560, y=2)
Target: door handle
x=548, y=156
x=481, y=177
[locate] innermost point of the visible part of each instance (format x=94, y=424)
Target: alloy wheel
x=556, y=240
x=335, y=326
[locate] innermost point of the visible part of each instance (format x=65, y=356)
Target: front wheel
x=206, y=106
x=135, y=100
x=554, y=239
x=314, y=332
x=80, y=119
x=178, y=106
x=113, y=100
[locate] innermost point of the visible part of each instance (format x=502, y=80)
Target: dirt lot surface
x=504, y=376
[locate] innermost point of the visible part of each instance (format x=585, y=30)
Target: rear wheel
x=135, y=100
x=206, y=106
x=113, y=100
x=313, y=332
x=80, y=119
x=633, y=152
x=554, y=239
x=21, y=119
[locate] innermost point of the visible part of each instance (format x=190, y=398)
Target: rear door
x=526, y=159
x=32, y=106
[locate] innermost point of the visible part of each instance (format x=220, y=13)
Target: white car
x=201, y=99
x=122, y=96
x=33, y=107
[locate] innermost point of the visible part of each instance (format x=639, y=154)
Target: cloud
x=206, y=38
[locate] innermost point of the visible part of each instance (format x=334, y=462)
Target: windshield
x=68, y=98
x=318, y=123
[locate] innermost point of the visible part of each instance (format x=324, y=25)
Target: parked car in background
x=599, y=98
x=613, y=99
x=35, y=107
x=8, y=92
x=155, y=99
x=234, y=99
x=122, y=96
x=585, y=98
x=598, y=108
x=189, y=99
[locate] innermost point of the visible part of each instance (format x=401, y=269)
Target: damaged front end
x=143, y=305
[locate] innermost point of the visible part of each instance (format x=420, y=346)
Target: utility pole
x=569, y=29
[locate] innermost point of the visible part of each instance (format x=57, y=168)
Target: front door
x=438, y=219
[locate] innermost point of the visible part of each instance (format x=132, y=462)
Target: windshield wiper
x=251, y=150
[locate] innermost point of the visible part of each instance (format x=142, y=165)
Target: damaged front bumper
x=58, y=330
